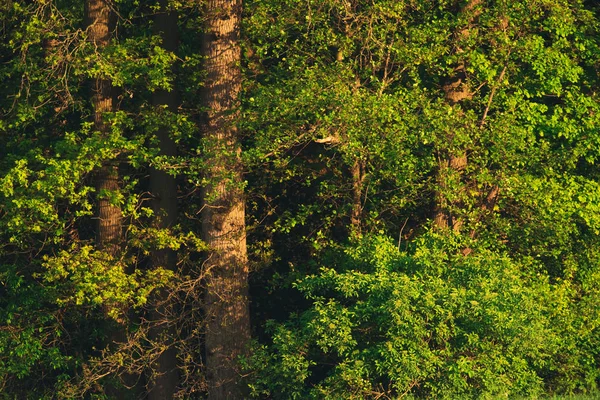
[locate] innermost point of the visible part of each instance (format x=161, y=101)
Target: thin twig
x=400, y=235
x=492, y=93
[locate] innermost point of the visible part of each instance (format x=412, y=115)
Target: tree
x=418, y=182
x=108, y=236
x=163, y=187
x=457, y=91
x=223, y=216
x=468, y=96
x=79, y=274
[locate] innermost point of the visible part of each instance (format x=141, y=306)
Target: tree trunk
x=223, y=218
x=456, y=90
x=108, y=232
x=109, y=226
x=443, y=217
x=164, y=204
x=357, y=196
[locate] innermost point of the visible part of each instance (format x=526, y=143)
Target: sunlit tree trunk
x=358, y=177
x=164, y=203
x=223, y=218
x=108, y=233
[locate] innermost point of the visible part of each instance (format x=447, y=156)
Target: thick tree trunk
x=108, y=232
x=223, y=218
x=109, y=226
x=164, y=203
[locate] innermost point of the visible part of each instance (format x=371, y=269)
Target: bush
x=432, y=323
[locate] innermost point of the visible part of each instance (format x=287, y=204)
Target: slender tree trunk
x=223, y=219
x=164, y=203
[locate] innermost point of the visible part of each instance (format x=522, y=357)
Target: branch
x=492, y=93
x=328, y=140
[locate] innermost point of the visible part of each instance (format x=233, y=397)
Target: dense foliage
x=431, y=323
x=421, y=184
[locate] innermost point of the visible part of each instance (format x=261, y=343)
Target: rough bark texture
x=164, y=203
x=109, y=217
x=223, y=219
x=108, y=234
x=108, y=231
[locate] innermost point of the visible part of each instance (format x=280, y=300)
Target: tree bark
x=98, y=15
x=164, y=204
x=223, y=217
x=108, y=232
x=358, y=177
